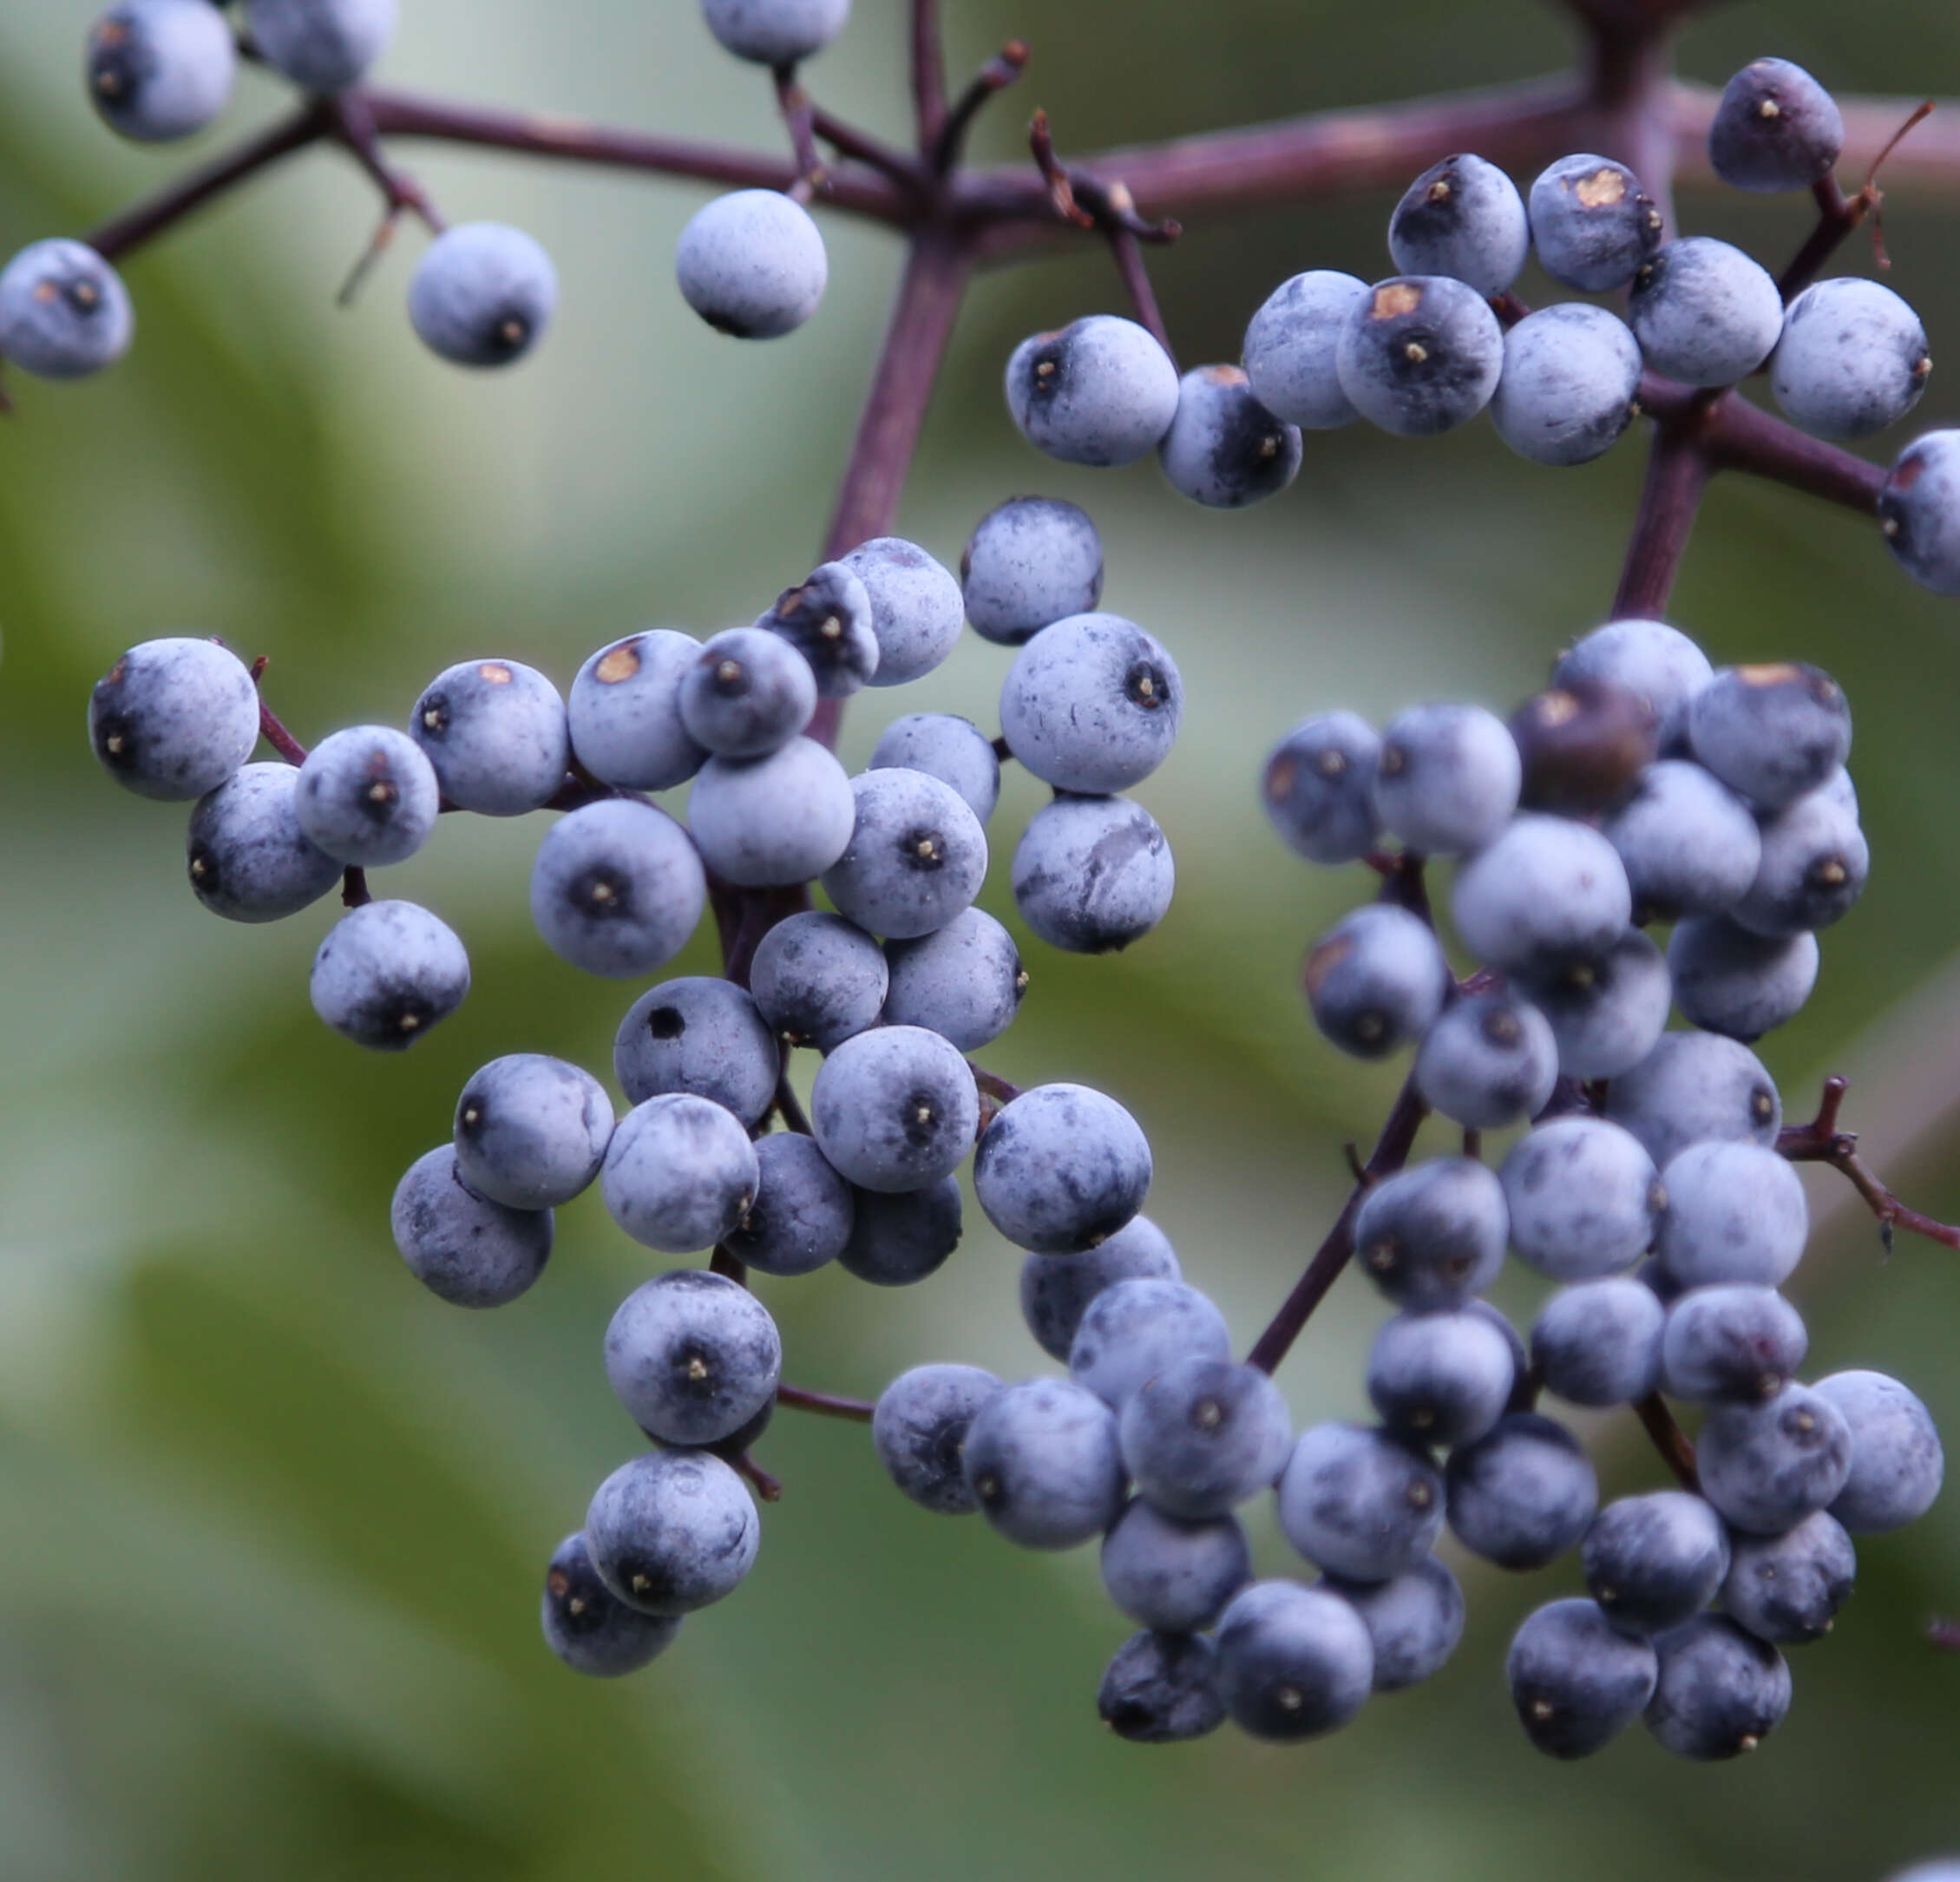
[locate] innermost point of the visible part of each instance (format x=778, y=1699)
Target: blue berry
x=1202, y=1436
x=247, y=858
x=1091, y=704
x=1703, y=312
x=1652, y=1562
x=1056, y=1290
x=693, y=1356
x=1041, y=1460
x=894, y=1109
x=1377, y=981
x=672, y=1531
x=1772, y=733
x=1815, y=861
x=483, y=294
x=617, y=888
x=1732, y=1341
x=1319, y=787
x=1030, y=562
x=1721, y=1690
x=1695, y=1087
x=1766, y=1465
x=624, y=711
x=1577, y=1681
x=1735, y=1212
x=953, y=749
x=1293, y=1661
x=1524, y=1494
x=1420, y=355
x=1599, y=1343
x=495, y=732
x=1583, y=747
x=1359, y=1503
x=1290, y=348
x=1897, y=1463
x=1440, y=1378
x=752, y=264
x=1134, y=1329
x=1851, y=361
x=1061, y=1167
x=1728, y=980
x=803, y=1214
x=772, y=822
x=680, y=1173
x=1567, y=392
x=1462, y=218
x=827, y=618
x=1606, y=1011
x=173, y=719
x=1414, y=1621
x=1688, y=843
x=917, y=610
x=917, y=858
x=964, y=981
x=159, y=69
x=368, y=796
x=386, y=973
x=462, y=1247
x=703, y=1035
x=1775, y=128
x=1584, y=1198
x=1786, y=1590
x=1224, y=450
x=1490, y=1060
x=1433, y=1236
x=898, y=1240
x=1092, y=875
x=586, y=1624
x=531, y=1131
x=747, y=693
x=1918, y=507
x=1174, y=1574
x=1448, y=777
x=919, y=1430
x=1163, y=1689
x=819, y=979
x=1547, y=890
x=321, y=45
x=1591, y=223
x=776, y=32
x=64, y=312
x=1655, y=662
x=1099, y=392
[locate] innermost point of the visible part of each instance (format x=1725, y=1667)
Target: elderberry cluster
x=750, y=263
x=1643, y=788
x=893, y=985
x=1424, y=352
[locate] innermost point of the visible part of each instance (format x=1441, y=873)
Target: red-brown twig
x=1403, y=882
x=1677, y=473
x=993, y=78
x=800, y=120
x=824, y=1404
x=1135, y=274
x=1669, y=1440
x=1821, y=1141
x=1840, y=216
x=1390, y=1151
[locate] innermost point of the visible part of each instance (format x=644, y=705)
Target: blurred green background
x=272, y=1520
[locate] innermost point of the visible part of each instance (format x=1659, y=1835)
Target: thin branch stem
x=993, y=78
x=1136, y=276
x=928, y=75
x=799, y=120
x=171, y=205
x=353, y=128
x=1390, y=1151
x=1821, y=1141
x=824, y=1404
x=1669, y=1440
x=1677, y=473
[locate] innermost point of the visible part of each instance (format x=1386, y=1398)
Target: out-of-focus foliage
x=271, y=1520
